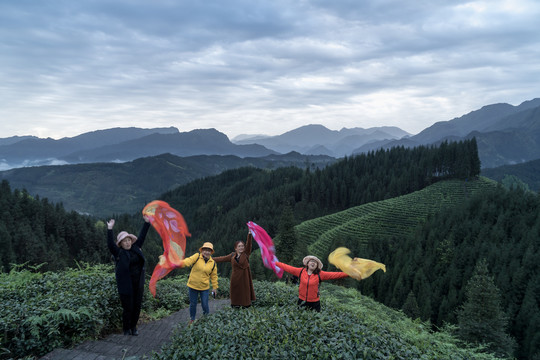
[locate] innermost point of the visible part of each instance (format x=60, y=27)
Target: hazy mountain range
x=506, y=134
x=125, y=167
x=120, y=145
x=126, y=144
x=317, y=139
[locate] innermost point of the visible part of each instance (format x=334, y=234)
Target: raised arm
x=110, y=241
x=249, y=244
x=143, y=232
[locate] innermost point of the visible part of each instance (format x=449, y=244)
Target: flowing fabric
x=172, y=228
x=268, y=251
x=356, y=268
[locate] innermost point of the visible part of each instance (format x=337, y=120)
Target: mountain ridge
x=507, y=134
x=126, y=187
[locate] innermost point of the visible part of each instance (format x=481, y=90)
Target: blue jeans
x=194, y=298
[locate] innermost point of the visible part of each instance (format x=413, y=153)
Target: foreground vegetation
x=42, y=311
x=350, y=326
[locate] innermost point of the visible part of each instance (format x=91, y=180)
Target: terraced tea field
x=396, y=217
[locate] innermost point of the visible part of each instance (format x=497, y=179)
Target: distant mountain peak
x=242, y=137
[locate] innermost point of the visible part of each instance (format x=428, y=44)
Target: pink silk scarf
x=268, y=251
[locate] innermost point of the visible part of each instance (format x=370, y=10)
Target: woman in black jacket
x=130, y=271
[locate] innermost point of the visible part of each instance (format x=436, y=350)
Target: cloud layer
x=67, y=67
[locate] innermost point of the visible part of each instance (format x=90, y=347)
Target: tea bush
x=349, y=327
x=41, y=312
x=172, y=294
x=278, y=293
x=44, y=311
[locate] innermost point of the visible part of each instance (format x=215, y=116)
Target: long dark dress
x=241, y=288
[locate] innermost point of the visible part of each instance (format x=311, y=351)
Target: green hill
x=528, y=173
x=102, y=189
x=396, y=217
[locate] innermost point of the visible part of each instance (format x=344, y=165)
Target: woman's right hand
x=110, y=224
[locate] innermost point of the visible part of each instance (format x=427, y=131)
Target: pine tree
x=474, y=158
x=7, y=255
x=481, y=320
x=410, y=307
x=287, y=235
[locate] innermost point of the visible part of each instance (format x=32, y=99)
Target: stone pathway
x=152, y=336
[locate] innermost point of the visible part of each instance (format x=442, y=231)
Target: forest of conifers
x=428, y=270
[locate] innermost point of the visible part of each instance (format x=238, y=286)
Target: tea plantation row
x=43, y=311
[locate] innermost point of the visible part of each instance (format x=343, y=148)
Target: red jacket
x=309, y=284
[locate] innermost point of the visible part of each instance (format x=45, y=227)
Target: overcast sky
x=260, y=67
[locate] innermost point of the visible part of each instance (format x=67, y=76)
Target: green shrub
x=41, y=312
x=349, y=327
x=44, y=311
x=278, y=293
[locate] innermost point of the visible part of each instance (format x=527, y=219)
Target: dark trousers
x=194, y=298
x=132, y=308
x=312, y=305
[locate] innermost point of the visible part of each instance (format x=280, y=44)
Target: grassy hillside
x=395, y=217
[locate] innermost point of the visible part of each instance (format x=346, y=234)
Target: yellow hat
x=207, y=245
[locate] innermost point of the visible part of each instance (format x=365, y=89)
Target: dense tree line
x=217, y=208
x=435, y=265
x=36, y=231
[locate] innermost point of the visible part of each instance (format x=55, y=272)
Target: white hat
x=124, y=234
x=314, y=258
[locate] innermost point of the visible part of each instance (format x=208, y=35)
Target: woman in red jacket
x=310, y=277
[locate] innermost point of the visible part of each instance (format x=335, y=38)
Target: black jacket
x=121, y=256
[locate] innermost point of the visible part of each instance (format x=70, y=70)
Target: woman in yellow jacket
x=203, y=269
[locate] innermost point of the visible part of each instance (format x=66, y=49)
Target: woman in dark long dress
x=241, y=288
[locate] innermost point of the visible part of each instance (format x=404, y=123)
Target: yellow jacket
x=201, y=273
